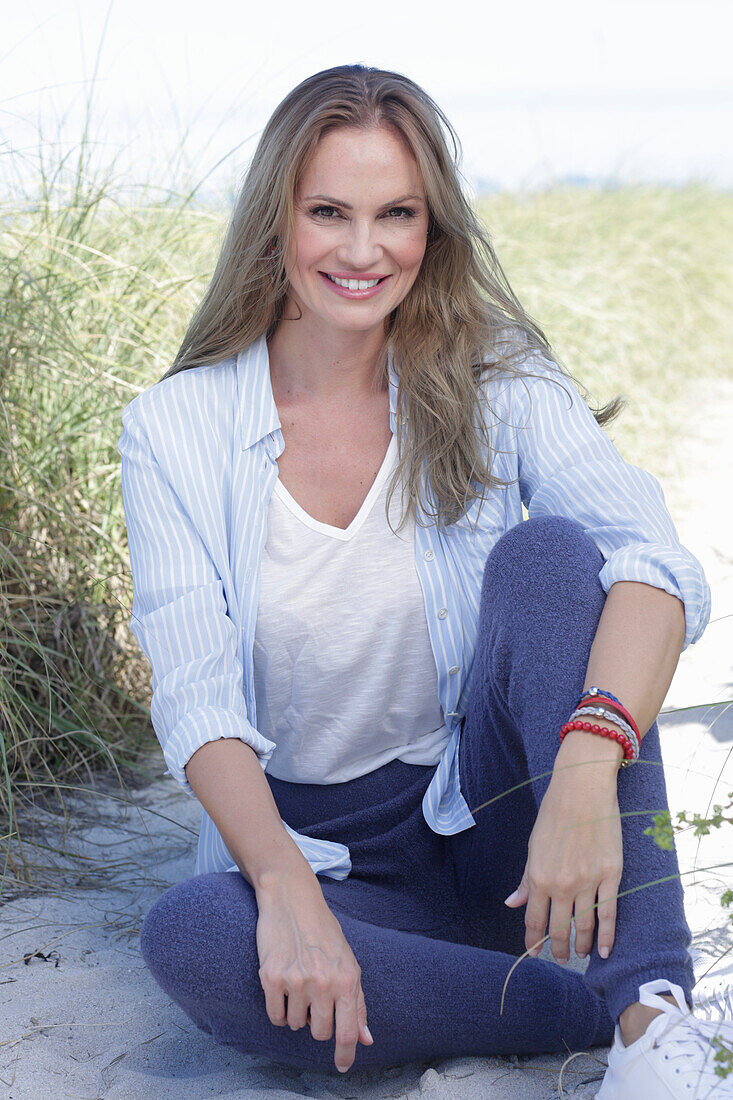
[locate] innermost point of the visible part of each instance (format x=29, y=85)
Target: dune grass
x=630, y=286
x=92, y=294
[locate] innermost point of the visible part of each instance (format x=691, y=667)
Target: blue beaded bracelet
x=596, y=691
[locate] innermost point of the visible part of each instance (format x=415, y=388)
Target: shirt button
x=453, y=670
x=428, y=555
x=443, y=613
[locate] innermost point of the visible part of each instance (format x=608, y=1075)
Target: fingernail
x=604, y=952
x=581, y=954
x=342, y=1069
x=368, y=1034
x=512, y=897
x=563, y=961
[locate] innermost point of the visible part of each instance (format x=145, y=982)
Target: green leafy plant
x=663, y=830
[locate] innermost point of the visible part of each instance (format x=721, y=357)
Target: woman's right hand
x=304, y=957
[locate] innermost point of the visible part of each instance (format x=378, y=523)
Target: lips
x=355, y=275
x=353, y=284
x=356, y=294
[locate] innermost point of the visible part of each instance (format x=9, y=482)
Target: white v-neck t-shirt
x=344, y=675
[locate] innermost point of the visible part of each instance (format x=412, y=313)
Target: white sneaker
x=673, y=1059
x=713, y=999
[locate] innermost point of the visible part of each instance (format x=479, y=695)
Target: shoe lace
x=717, y=1004
x=687, y=1041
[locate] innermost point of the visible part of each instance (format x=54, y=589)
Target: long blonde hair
x=445, y=335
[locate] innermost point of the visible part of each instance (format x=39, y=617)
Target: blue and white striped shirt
x=199, y=453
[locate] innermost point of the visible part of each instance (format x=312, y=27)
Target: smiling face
x=361, y=222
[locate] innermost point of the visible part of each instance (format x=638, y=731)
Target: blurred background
x=596, y=146
x=629, y=91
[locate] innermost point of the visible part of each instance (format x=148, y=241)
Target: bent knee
x=544, y=533
x=550, y=545
x=192, y=931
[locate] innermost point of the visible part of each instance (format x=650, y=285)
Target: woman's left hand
x=575, y=852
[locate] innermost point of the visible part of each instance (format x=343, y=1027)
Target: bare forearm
x=634, y=655
x=228, y=780
x=637, y=647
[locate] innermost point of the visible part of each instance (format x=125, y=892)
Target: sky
x=621, y=91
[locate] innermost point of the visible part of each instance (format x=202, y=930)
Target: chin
x=353, y=322
x=360, y=326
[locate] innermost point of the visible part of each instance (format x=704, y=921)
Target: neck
x=316, y=363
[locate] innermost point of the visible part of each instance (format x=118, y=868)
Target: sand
x=85, y=1019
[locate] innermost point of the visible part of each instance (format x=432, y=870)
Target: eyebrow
x=347, y=206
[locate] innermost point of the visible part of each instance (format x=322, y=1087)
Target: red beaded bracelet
x=604, y=731
x=600, y=700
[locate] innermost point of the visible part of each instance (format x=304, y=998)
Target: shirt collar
x=257, y=409
x=393, y=379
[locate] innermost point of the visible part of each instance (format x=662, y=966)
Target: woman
x=394, y=672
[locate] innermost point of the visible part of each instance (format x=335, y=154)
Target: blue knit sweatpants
x=424, y=914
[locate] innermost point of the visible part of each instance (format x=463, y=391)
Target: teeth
x=353, y=284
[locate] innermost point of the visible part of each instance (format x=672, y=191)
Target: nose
x=360, y=248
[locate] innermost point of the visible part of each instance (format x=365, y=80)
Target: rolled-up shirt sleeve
x=568, y=466
x=179, y=616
